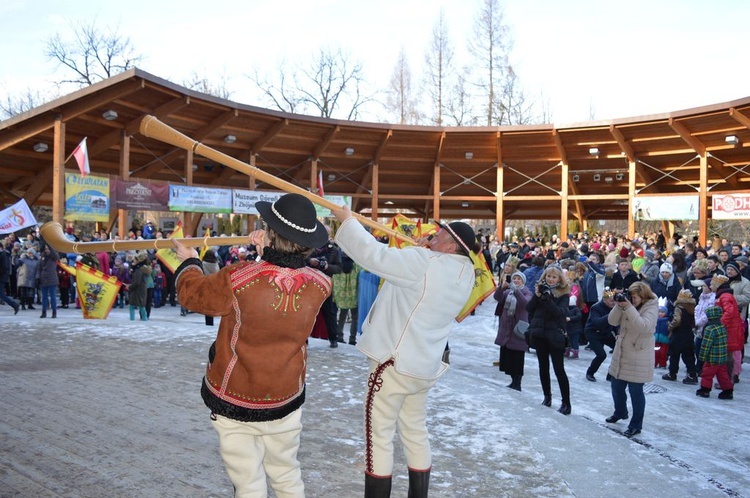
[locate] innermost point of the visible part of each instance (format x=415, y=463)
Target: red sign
x=731, y=207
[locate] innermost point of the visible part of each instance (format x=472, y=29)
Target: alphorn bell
x=153, y=128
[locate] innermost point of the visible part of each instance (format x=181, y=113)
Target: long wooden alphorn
x=52, y=233
x=153, y=128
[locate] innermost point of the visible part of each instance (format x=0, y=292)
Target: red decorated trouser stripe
x=374, y=383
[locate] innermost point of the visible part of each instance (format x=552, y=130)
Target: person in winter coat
x=732, y=321
x=548, y=309
x=140, y=273
x=512, y=298
x=661, y=336
x=666, y=285
x=599, y=332
x=713, y=354
x=345, y=296
x=534, y=272
x=574, y=326
x=327, y=259
x=681, y=340
x=48, y=280
x=706, y=299
x=740, y=288
x=28, y=266
x=650, y=269
x=592, y=283
x=5, y=271
x=404, y=336
x=120, y=270
x=210, y=266
x=632, y=362
x=623, y=277
x=254, y=383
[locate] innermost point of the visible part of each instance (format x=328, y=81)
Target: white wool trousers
x=252, y=450
x=392, y=401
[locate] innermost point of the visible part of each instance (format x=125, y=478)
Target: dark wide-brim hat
x=462, y=233
x=293, y=217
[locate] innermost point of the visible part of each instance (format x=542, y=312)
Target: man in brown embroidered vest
x=255, y=377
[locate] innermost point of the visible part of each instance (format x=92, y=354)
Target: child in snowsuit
x=681, y=338
x=661, y=336
x=713, y=353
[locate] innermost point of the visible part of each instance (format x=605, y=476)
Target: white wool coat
x=424, y=291
x=633, y=357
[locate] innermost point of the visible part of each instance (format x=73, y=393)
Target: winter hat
x=293, y=216
x=733, y=265
x=649, y=254
x=701, y=264
x=512, y=261
x=639, y=252
x=742, y=259
x=518, y=273
x=685, y=295
x=665, y=267
x=663, y=309
x=572, y=300
x=714, y=313
x=624, y=253
x=462, y=233
x=608, y=293
x=611, y=247
x=596, y=246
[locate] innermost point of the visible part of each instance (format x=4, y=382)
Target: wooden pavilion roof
x=402, y=165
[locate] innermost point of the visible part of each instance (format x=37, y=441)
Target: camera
x=544, y=290
x=322, y=262
x=621, y=297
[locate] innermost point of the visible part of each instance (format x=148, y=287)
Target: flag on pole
x=16, y=217
x=320, y=183
x=168, y=257
x=96, y=291
x=81, y=154
x=484, y=285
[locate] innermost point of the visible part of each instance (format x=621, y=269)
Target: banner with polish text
x=730, y=207
x=140, y=195
x=86, y=198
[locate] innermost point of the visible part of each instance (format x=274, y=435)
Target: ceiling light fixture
x=597, y=177
x=349, y=151
x=389, y=203
x=230, y=139
x=469, y=155
x=576, y=178
x=464, y=204
x=732, y=140
x=594, y=151
x=331, y=177
x=619, y=177
x=109, y=115
x=41, y=147
x=608, y=179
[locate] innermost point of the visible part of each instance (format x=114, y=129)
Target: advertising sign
x=140, y=195
x=730, y=207
x=673, y=207
x=200, y=199
x=86, y=198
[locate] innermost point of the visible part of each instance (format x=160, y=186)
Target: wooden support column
x=499, y=189
x=703, y=201
x=564, y=202
x=314, y=176
x=122, y=214
x=251, y=179
x=499, y=204
x=375, y=194
x=185, y=217
x=436, y=193
x=58, y=172
x=631, y=198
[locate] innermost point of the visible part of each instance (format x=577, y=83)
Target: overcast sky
x=586, y=58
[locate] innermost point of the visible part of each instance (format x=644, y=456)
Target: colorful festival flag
x=16, y=217
x=404, y=225
x=81, y=154
x=484, y=285
x=96, y=291
x=168, y=257
x=67, y=268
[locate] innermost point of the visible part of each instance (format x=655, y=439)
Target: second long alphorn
x=153, y=128
x=52, y=233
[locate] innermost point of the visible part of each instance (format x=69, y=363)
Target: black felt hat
x=293, y=217
x=462, y=233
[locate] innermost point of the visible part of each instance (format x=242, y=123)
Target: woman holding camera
x=512, y=297
x=632, y=362
x=548, y=313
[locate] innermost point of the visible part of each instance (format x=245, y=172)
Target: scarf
x=511, y=301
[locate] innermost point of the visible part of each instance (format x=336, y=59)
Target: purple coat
x=505, y=336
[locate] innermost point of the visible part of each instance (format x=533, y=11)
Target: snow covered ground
x=112, y=408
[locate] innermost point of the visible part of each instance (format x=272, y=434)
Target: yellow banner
x=484, y=286
x=67, y=268
x=96, y=291
x=205, y=248
x=168, y=257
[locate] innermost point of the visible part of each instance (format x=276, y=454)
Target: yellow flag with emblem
x=484, y=285
x=96, y=291
x=168, y=257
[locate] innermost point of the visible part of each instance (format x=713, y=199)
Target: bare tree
x=92, y=55
x=204, y=85
x=399, y=96
x=518, y=110
x=459, y=110
x=331, y=83
x=439, y=62
x=12, y=105
x=490, y=46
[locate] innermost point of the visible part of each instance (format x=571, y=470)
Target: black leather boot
x=43, y=315
x=54, y=313
x=377, y=487
x=547, y=401
x=515, y=382
x=419, y=483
